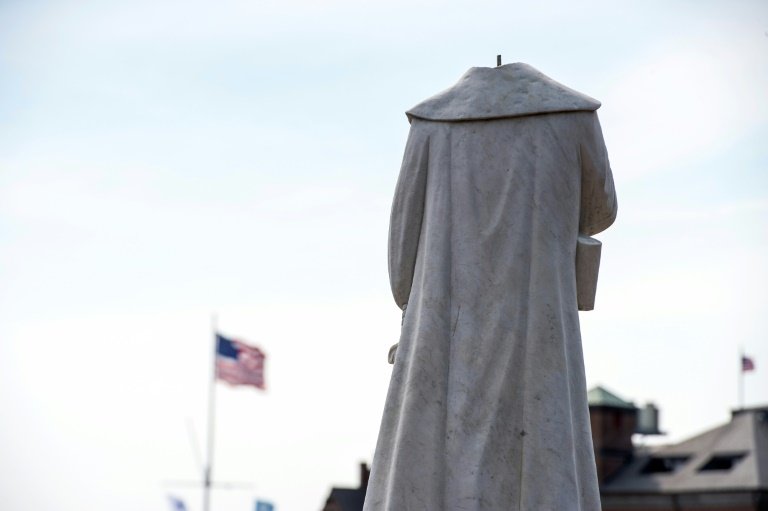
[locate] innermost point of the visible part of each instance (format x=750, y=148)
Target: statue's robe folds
x=487, y=406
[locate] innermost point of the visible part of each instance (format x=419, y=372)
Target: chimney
x=648, y=420
x=365, y=473
x=613, y=422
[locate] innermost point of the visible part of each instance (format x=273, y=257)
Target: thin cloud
x=684, y=100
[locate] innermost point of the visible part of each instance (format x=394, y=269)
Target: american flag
x=238, y=363
x=747, y=364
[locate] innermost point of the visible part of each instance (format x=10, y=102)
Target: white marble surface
x=588, y=251
x=498, y=92
x=487, y=406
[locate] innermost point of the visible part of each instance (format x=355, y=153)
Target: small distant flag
x=176, y=504
x=238, y=363
x=747, y=364
x=264, y=506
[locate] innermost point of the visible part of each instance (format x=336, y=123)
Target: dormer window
x=664, y=464
x=722, y=462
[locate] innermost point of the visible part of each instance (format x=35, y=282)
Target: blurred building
x=722, y=469
x=349, y=499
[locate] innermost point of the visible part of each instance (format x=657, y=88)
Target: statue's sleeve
x=407, y=214
x=598, y=196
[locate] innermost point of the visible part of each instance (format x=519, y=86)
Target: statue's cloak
x=487, y=406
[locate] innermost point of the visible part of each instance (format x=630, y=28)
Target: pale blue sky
x=163, y=160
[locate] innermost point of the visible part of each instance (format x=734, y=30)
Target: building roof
x=348, y=499
x=599, y=396
x=733, y=456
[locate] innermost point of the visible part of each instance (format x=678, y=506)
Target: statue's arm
x=598, y=196
x=407, y=214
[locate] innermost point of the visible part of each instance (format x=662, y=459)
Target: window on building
x=663, y=464
x=722, y=462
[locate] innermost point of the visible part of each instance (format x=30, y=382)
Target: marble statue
x=504, y=175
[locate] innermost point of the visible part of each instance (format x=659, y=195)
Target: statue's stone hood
x=512, y=90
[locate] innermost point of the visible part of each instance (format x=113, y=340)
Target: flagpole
x=207, y=476
x=741, y=377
